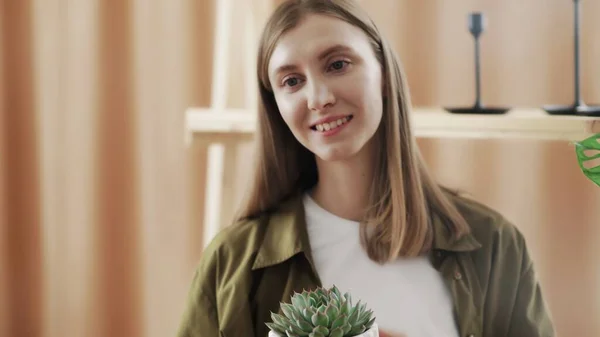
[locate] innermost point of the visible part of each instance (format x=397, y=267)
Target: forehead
x=314, y=34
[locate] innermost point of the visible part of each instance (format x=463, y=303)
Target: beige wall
x=102, y=204
x=526, y=62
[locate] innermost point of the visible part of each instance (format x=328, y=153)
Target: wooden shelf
x=427, y=122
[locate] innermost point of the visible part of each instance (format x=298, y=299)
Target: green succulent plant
x=323, y=312
x=591, y=144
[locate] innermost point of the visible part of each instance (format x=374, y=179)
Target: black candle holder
x=476, y=27
x=578, y=108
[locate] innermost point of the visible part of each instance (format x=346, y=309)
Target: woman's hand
x=383, y=333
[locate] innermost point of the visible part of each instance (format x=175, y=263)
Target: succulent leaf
x=345, y=307
x=357, y=330
x=348, y=298
x=276, y=328
x=322, y=330
x=307, y=313
x=297, y=331
x=288, y=310
x=321, y=313
x=280, y=320
x=320, y=319
x=332, y=312
x=366, y=316
x=361, y=309
x=340, y=321
x=354, y=313
x=333, y=296
x=313, y=299
x=304, y=325
x=336, y=291
x=298, y=301
x=346, y=327
x=336, y=333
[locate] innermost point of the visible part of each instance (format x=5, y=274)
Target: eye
x=291, y=81
x=338, y=65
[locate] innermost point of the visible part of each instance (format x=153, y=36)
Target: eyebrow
x=333, y=49
x=324, y=54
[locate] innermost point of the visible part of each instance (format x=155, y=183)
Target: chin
x=336, y=154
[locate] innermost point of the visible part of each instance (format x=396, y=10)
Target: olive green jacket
x=250, y=267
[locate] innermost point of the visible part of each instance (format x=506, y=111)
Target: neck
x=344, y=186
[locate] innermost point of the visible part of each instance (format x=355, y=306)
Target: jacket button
x=458, y=276
x=471, y=335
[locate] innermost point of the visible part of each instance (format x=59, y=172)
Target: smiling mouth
x=324, y=127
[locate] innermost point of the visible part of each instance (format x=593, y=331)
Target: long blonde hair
x=403, y=198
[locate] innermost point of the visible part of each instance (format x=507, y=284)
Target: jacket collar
x=286, y=235
x=444, y=240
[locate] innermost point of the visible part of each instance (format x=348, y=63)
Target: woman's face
x=327, y=84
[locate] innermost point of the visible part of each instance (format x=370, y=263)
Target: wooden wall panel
x=527, y=55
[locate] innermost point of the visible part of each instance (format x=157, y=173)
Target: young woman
x=340, y=195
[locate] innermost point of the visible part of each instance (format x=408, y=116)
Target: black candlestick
x=578, y=108
x=476, y=27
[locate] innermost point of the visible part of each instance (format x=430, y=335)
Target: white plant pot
x=373, y=332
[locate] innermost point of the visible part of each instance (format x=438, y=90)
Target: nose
x=320, y=96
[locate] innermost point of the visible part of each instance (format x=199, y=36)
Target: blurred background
x=102, y=202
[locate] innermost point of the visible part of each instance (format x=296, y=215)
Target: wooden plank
x=427, y=122
x=214, y=186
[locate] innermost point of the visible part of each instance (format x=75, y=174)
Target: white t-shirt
x=408, y=296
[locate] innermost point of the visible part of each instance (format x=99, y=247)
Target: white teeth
x=331, y=125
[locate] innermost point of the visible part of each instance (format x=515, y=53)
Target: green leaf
x=591, y=144
x=336, y=291
x=313, y=299
x=345, y=307
x=322, y=330
x=370, y=323
x=362, y=309
x=307, y=313
x=357, y=330
x=279, y=320
x=288, y=311
x=298, y=301
x=335, y=301
x=340, y=321
x=276, y=328
x=348, y=298
x=304, y=325
x=333, y=296
x=366, y=316
x=316, y=334
x=347, y=327
x=332, y=312
x=337, y=333
x=320, y=319
x=354, y=313
x=297, y=331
